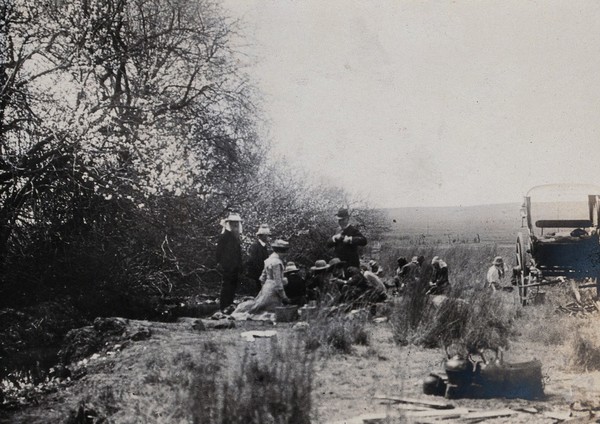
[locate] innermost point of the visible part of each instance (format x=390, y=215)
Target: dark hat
x=336, y=262
x=343, y=213
x=320, y=265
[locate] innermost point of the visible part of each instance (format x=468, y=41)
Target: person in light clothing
x=496, y=275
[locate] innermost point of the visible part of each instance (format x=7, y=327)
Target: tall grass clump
x=272, y=385
x=337, y=334
x=469, y=317
x=585, y=354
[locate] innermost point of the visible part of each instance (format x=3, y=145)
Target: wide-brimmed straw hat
x=290, y=267
x=233, y=217
x=335, y=262
x=435, y=260
x=320, y=265
x=498, y=261
x=280, y=245
x=263, y=229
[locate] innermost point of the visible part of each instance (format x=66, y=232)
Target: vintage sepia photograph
x=299, y=211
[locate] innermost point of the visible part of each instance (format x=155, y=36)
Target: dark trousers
x=230, y=283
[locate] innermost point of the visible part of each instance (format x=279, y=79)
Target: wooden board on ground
x=436, y=404
x=439, y=413
x=481, y=415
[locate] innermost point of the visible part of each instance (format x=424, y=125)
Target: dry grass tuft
x=586, y=351
x=271, y=386
x=336, y=334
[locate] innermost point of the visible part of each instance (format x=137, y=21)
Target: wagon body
x=561, y=237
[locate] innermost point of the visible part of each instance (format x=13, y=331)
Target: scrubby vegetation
x=337, y=334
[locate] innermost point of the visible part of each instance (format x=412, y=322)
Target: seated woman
x=295, y=289
x=439, y=283
x=272, y=293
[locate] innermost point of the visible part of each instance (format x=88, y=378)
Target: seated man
x=376, y=287
x=439, y=283
x=295, y=289
x=495, y=277
x=318, y=282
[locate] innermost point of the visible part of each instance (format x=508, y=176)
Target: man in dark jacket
x=257, y=253
x=229, y=258
x=347, y=240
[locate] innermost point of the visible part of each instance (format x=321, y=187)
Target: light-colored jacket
x=272, y=293
x=495, y=277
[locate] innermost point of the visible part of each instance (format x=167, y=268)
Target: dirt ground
x=344, y=385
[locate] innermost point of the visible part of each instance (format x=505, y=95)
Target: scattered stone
x=218, y=325
x=198, y=325
x=380, y=320
x=110, y=326
x=141, y=334
x=251, y=335
x=80, y=343
x=301, y=326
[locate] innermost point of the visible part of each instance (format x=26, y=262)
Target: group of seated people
x=413, y=275
x=333, y=283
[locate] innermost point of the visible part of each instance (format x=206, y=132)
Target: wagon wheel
x=523, y=263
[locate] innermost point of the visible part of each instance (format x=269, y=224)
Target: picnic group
x=344, y=280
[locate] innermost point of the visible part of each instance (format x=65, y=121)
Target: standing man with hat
x=347, y=240
x=229, y=258
x=257, y=254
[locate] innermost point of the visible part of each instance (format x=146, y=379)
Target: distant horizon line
x=447, y=206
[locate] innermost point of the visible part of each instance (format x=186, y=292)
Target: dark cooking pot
x=434, y=385
x=459, y=371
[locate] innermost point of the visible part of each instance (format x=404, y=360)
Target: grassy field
x=331, y=370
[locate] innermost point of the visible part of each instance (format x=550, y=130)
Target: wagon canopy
x=562, y=207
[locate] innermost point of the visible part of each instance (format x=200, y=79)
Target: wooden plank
x=404, y=406
x=557, y=415
x=496, y=413
x=426, y=402
x=439, y=413
x=528, y=410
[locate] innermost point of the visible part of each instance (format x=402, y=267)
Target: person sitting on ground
x=397, y=282
x=439, y=283
x=272, y=294
x=356, y=286
x=376, y=268
x=410, y=274
x=295, y=289
x=337, y=277
x=318, y=281
x=496, y=274
x=377, y=290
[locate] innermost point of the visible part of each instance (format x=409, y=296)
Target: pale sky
x=430, y=103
